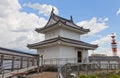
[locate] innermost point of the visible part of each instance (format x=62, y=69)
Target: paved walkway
x=43, y=75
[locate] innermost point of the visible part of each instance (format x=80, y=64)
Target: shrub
x=87, y=76
x=83, y=76
x=113, y=76
x=101, y=75
x=92, y=76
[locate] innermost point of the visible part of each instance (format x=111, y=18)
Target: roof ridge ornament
x=52, y=11
x=71, y=18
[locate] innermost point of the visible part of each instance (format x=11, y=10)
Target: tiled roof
x=103, y=58
x=62, y=39
x=64, y=21
x=15, y=51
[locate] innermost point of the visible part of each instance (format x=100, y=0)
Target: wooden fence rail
x=11, y=62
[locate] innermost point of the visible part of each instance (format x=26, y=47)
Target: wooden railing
x=58, y=61
x=12, y=62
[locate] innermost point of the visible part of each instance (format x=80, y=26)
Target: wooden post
x=27, y=61
x=13, y=60
x=1, y=61
x=100, y=65
x=38, y=60
x=86, y=67
x=41, y=67
x=78, y=70
x=41, y=60
x=33, y=62
x=21, y=62
x=108, y=66
x=65, y=71
x=1, y=65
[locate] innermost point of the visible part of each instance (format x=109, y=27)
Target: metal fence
x=86, y=68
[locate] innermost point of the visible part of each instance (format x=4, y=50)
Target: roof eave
x=93, y=47
x=31, y=46
x=35, y=46
x=44, y=29
x=60, y=23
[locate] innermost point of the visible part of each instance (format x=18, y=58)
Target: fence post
x=86, y=66
x=33, y=61
x=108, y=66
x=13, y=60
x=65, y=71
x=38, y=60
x=1, y=61
x=27, y=61
x=2, y=72
x=78, y=70
x=93, y=67
x=21, y=62
x=100, y=65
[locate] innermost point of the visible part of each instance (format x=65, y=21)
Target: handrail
x=11, y=62
x=67, y=70
x=60, y=75
x=57, y=61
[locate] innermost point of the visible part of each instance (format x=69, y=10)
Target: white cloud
x=95, y=25
x=42, y=8
x=102, y=50
x=104, y=44
x=118, y=12
x=103, y=40
x=17, y=27
x=7, y=7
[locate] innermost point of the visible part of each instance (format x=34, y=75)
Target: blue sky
x=23, y=16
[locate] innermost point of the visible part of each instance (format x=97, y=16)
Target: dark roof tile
x=66, y=22
x=15, y=51
x=67, y=40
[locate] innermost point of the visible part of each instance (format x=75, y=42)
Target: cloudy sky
x=19, y=18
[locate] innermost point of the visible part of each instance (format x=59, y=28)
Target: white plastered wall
x=65, y=54
x=49, y=52
x=68, y=52
x=52, y=34
x=85, y=56
x=63, y=33
x=59, y=52
x=69, y=34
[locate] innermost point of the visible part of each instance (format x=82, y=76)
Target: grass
x=102, y=75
